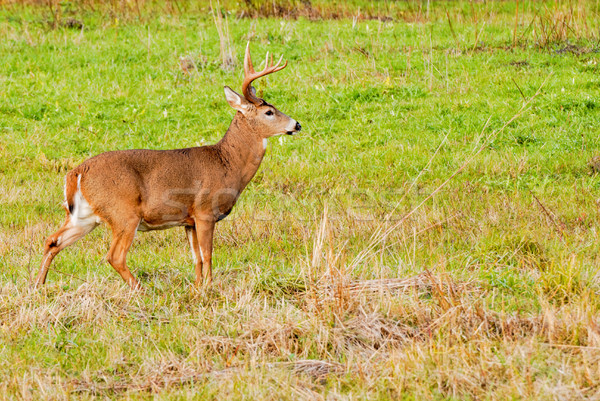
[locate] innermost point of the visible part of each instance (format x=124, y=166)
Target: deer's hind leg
x=72, y=230
x=123, y=234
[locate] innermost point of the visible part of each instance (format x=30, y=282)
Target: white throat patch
x=264, y=143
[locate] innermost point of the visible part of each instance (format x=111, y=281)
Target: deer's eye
x=269, y=113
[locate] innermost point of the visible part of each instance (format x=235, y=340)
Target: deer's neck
x=242, y=148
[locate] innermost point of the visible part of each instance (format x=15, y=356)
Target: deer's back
x=146, y=182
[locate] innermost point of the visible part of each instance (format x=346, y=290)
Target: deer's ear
x=236, y=100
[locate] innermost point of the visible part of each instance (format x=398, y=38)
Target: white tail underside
x=83, y=216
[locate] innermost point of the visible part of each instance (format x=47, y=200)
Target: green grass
x=501, y=265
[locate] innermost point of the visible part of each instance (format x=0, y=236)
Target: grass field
x=431, y=234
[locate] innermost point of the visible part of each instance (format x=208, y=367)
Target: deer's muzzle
x=297, y=128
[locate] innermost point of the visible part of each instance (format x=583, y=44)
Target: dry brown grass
x=425, y=335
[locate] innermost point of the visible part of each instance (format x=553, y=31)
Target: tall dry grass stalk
x=562, y=23
x=516, y=23
x=227, y=57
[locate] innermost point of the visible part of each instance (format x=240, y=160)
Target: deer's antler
x=250, y=75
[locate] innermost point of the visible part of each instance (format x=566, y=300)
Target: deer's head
x=266, y=120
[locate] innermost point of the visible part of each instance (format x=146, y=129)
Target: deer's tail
x=72, y=184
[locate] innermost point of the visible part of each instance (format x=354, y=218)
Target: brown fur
x=70, y=188
x=143, y=189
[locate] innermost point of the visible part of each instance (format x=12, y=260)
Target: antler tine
x=248, y=67
x=276, y=68
x=250, y=75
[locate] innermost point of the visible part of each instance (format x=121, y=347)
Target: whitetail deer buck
x=142, y=190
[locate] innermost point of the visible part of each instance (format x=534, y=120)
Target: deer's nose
x=298, y=126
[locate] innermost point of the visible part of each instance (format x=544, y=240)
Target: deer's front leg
x=204, y=232
x=192, y=237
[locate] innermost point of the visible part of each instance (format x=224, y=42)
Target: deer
x=144, y=190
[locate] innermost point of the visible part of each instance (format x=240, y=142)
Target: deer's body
x=143, y=190
x=166, y=188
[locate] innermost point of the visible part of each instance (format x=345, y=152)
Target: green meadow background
x=432, y=233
